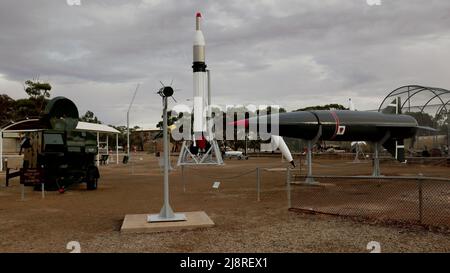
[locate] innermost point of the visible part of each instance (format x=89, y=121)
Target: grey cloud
x=293, y=53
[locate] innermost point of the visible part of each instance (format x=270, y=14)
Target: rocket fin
x=426, y=128
x=395, y=107
x=278, y=143
x=396, y=148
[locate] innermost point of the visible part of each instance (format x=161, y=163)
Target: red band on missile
x=336, y=119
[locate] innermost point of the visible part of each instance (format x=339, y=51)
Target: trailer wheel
x=92, y=178
x=92, y=184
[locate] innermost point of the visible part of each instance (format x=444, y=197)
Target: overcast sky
x=292, y=53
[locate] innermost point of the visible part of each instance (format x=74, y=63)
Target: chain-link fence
x=390, y=199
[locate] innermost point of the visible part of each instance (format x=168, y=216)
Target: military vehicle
x=57, y=154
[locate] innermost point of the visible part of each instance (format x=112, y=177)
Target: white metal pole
x=309, y=177
x=128, y=121
x=166, y=211
x=107, y=148
x=98, y=149
x=117, y=149
x=128, y=134
x=376, y=161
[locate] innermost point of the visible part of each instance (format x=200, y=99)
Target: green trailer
x=57, y=155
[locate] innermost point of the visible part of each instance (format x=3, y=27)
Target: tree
x=36, y=89
x=90, y=117
x=6, y=109
x=26, y=108
x=39, y=92
x=170, y=120
x=332, y=106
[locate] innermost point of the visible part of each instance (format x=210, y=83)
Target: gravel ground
x=93, y=218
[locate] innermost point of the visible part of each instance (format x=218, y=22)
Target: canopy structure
x=100, y=128
x=30, y=125
x=94, y=127
x=417, y=98
x=429, y=105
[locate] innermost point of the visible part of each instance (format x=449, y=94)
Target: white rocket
x=204, y=148
x=200, y=81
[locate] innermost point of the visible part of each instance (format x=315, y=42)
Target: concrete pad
x=137, y=223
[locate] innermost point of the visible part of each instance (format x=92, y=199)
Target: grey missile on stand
x=383, y=129
x=344, y=125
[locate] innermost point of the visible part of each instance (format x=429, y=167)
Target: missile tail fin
x=395, y=107
x=396, y=148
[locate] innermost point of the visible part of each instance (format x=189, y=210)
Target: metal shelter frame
x=409, y=96
x=409, y=92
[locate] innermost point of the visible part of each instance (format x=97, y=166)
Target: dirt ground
x=93, y=218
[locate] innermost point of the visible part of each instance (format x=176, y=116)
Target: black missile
x=342, y=125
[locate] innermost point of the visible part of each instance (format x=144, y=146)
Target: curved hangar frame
x=432, y=101
x=422, y=98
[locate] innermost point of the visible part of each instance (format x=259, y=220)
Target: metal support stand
x=376, y=159
x=166, y=214
x=309, y=177
x=359, y=152
x=212, y=157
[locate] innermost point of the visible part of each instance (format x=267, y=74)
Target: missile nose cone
x=197, y=20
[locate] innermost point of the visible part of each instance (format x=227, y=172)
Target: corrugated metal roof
x=94, y=127
x=147, y=129
x=28, y=125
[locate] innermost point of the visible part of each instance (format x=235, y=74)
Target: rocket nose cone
x=198, y=14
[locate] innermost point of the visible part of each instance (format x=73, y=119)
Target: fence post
x=7, y=172
x=288, y=186
x=258, y=184
x=182, y=178
x=420, y=201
